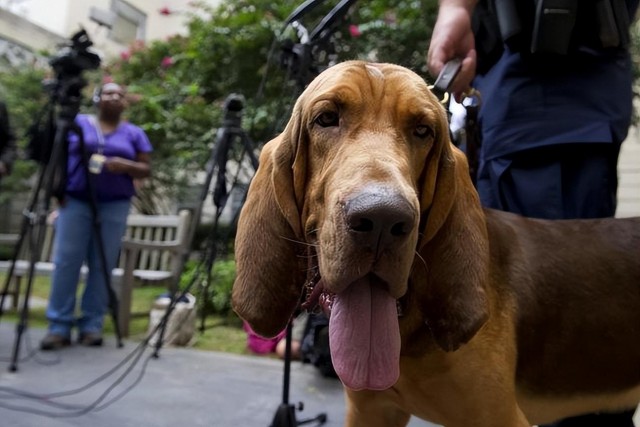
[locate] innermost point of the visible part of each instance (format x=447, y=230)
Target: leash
x=472, y=101
x=473, y=137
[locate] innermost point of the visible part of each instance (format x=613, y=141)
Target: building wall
x=50, y=15
x=23, y=33
x=629, y=175
x=168, y=24
x=63, y=18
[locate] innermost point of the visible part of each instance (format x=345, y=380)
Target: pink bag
x=261, y=345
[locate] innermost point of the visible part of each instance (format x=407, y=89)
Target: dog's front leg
x=373, y=409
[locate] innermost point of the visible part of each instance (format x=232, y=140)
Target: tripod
x=230, y=132
x=69, y=63
x=33, y=225
x=51, y=182
x=298, y=60
x=286, y=413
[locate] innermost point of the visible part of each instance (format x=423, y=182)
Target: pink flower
x=354, y=30
x=125, y=55
x=165, y=11
x=167, y=62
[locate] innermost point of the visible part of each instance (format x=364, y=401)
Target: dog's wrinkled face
x=369, y=135
x=353, y=176
x=370, y=129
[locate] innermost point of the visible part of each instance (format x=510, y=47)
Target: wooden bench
x=153, y=251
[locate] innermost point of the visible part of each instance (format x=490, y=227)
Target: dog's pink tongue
x=364, y=337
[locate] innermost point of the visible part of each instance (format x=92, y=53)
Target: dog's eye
x=423, y=131
x=328, y=119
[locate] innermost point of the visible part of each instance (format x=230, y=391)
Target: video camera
x=233, y=106
x=75, y=57
x=69, y=63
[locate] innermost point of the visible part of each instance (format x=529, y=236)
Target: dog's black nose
x=379, y=217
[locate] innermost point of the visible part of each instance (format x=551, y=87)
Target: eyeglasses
x=111, y=95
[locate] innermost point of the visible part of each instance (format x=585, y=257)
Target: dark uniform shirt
x=532, y=109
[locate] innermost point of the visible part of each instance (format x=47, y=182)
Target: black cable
x=78, y=410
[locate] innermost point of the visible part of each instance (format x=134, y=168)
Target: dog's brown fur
x=506, y=322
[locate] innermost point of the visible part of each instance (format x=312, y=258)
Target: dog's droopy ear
x=454, y=247
x=269, y=275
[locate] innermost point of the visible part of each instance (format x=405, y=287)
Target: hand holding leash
x=444, y=81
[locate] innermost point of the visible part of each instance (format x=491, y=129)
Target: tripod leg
x=97, y=230
x=320, y=419
x=106, y=273
x=21, y=326
x=34, y=220
x=210, y=251
x=28, y=222
x=285, y=416
x=11, y=276
x=286, y=413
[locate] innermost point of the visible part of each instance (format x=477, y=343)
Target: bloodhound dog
x=441, y=309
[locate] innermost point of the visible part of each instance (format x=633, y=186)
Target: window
x=129, y=24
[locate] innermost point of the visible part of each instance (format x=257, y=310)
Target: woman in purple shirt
x=118, y=152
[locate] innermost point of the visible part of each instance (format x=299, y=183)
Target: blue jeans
x=76, y=243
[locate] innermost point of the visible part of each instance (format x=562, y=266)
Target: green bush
x=214, y=297
x=224, y=273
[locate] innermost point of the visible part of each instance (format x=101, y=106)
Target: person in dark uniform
x=556, y=104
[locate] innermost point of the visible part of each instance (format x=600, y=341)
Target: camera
x=68, y=64
x=75, y=57
x=233, y=106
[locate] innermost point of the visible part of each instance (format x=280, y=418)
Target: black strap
x=474, y=140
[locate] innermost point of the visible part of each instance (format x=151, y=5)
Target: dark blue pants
x=556, y=182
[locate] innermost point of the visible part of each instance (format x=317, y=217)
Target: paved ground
x=183, y=387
